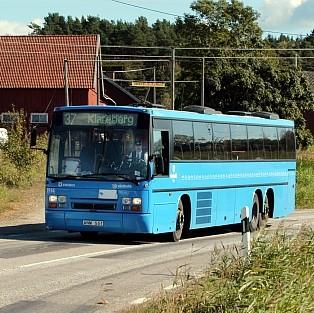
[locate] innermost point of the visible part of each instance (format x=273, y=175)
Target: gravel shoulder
x=27, y=209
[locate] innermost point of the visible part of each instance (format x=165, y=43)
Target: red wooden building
x=38, y=73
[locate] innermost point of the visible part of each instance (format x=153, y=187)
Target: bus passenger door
x=164, y=203
x=161, y=152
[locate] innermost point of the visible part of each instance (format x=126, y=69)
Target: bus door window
x=161, y=152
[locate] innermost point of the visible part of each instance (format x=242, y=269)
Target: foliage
x=242, y=71
x=235, y=78
x=305, y=182
x=16, y=149
x=277, y=277
x=19, y=164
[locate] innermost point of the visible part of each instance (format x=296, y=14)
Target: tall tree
x=238, y=74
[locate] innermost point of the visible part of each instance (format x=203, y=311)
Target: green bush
x=20, y=165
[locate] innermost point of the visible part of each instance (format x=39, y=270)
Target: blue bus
x=198, y=169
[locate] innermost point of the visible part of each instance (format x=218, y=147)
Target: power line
x=147, y=9
x=282, y=33
x=176, y=15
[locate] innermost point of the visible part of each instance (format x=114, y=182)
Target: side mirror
x=33, y=142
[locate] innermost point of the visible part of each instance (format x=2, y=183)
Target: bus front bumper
x=99, y=222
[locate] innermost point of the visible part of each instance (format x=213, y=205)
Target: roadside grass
x=305, y=180
x=13, y=181
x=277, y=277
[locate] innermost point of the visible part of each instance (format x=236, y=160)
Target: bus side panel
x=225, y=206
x=291, y=190
x=203, y=205
x=164, y=205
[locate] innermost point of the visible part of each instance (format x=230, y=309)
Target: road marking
x=80, y=256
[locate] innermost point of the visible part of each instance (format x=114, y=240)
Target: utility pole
x=203, y=82
x=154, y=69
x=173, y=77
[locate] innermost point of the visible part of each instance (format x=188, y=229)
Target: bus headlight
x=126, y=201
x=137, y=204
x=53, y=198
x=137, y=201
x=62, y=199
x=55, y=201
x=134, y=204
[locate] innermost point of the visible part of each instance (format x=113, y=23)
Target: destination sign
x=148, y=84
x=100, y=118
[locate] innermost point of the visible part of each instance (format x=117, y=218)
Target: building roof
x=38, y=61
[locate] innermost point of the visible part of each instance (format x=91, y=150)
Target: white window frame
x=7, y=117
x=42, y=118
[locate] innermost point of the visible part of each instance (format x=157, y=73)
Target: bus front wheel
x=179, y=223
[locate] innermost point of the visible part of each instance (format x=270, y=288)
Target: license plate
x=93, y=223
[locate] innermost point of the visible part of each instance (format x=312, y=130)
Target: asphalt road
x=43, y=271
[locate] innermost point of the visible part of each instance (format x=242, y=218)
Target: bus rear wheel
x=256, y=214
x=177, y=234
x=265, y=213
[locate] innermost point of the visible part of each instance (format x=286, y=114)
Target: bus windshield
x=100, y=146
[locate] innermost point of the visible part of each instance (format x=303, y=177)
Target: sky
x=290, y=17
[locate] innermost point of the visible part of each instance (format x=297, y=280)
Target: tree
x=54, y=25
x=237, y=77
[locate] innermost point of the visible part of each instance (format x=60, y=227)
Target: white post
x=246, y=235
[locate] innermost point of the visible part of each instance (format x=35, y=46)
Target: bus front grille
x=93, y=206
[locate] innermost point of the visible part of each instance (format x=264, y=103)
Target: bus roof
x=254, y=118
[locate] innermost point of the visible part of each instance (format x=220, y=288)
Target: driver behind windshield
x=138, y=154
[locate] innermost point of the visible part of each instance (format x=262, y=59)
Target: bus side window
x=183, y=136
x=222, y=142
x=178, y=152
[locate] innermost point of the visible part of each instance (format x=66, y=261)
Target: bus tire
x=176, y=235
x=255, y=216
x=265, y=213
x=89, y=235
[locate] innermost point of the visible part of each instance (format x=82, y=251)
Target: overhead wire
x=176, y=15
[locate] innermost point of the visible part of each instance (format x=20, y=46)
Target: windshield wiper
x=95, y=175
x=63, y=176
x=124, y=176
